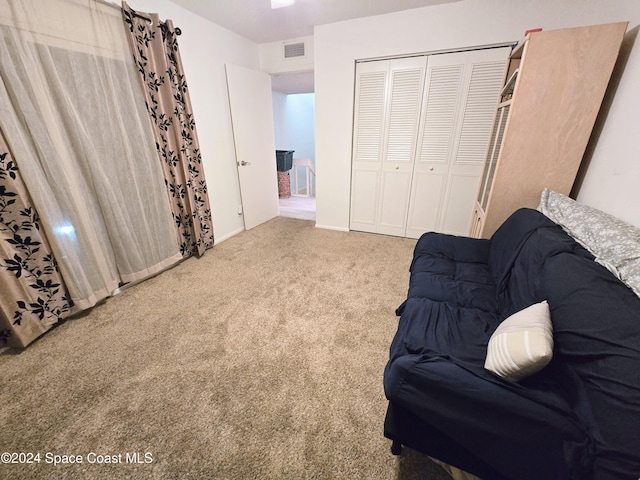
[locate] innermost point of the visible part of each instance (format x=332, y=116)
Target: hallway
x=303, y=208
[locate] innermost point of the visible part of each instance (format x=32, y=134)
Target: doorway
x=294, y=130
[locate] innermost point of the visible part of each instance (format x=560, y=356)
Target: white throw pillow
x=522, y=344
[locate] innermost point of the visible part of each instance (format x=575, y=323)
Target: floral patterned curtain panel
x=33, y=297
x=157, y=58
x=74, y=118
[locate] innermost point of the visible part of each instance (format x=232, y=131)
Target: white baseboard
x=229, y=235
x=331, y=227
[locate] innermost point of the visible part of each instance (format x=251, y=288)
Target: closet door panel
x=370, y=111
x=428, y=189
x=486, y=74
x=459, y=202
x=369, y=127
x=406, y=81
x=442, y=94
x=440, y=110
x=365, y=187
x=459, y=104
x=386, y=116
x=394, y=193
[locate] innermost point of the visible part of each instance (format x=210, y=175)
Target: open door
x=253, y=136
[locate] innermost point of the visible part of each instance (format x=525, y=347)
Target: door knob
x=243, y=163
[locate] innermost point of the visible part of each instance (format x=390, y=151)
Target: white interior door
x=253, y=136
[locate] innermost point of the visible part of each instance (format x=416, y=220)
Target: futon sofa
x=518, y=357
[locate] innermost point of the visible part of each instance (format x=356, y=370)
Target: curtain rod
x=135, y=14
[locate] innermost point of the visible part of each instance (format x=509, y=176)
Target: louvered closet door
x=460, y=97
x=387, y=113
x=369, y=121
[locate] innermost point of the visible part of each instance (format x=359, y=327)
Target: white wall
x=205, y=48
x=279, y=100
x=611, y=177
x=611, y=182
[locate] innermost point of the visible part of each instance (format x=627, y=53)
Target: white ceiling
x=255, y=20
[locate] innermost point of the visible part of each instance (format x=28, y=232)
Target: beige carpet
x=261, y=360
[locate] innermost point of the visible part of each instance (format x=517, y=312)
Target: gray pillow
x=614, y=243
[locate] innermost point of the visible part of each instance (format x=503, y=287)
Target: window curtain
x=74, y=118
x=157, y=58
x=33, y=297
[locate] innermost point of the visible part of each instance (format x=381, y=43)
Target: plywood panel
x=563, y=78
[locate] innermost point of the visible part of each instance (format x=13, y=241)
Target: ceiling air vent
x=294, y=50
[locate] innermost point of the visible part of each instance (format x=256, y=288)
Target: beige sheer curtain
x=74, y=119
x=157, y=57
x=33, y=297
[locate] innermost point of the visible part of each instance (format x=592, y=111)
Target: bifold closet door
x=421, y=129
x=387, y=115
x=458, y=107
